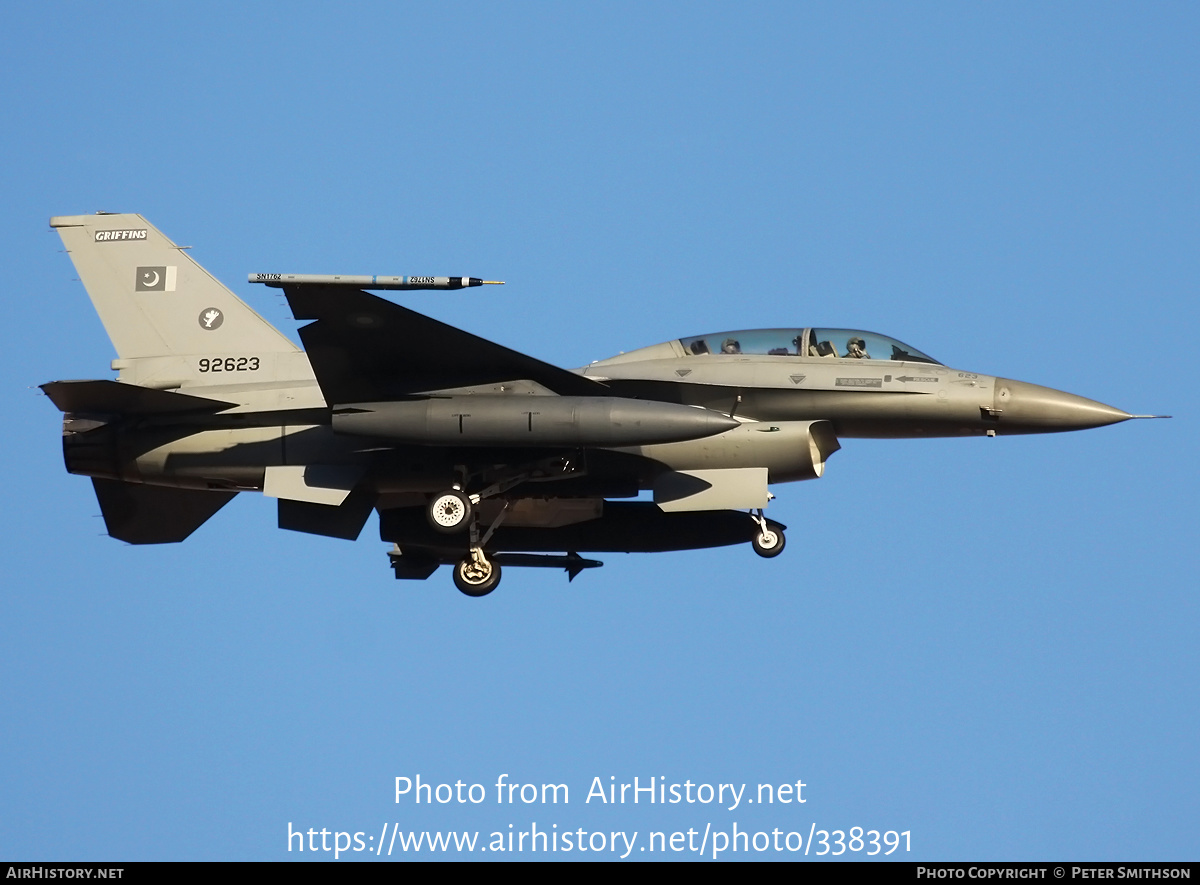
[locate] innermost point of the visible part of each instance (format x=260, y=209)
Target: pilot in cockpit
x=856, y=349
x=731, y=345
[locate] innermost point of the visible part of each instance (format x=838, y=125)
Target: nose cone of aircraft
x=1029, y=408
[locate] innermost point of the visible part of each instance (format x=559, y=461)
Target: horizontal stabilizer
x=366, y=349
x=115, y=398
x=141, y=514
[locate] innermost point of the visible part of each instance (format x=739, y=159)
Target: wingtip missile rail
x=367, y=281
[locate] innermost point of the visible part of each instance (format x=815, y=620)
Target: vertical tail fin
x=175, y=326
x=152, y=297
x=172, y=323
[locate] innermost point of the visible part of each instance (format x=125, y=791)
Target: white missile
x=365, y=281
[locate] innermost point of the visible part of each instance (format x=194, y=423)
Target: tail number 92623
x=229, y=364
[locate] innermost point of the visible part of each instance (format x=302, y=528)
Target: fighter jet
x=472, y=454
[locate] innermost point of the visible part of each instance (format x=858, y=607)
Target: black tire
x=769, y=543
x=469, y=578
x=449, y=512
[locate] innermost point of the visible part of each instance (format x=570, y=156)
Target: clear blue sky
x=1006, y=668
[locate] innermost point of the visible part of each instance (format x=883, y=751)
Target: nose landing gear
x=768, y=542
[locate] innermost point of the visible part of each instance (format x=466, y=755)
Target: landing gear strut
x=477, y=575
x=768, y=542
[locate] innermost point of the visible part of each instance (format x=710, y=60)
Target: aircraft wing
x=365, y=349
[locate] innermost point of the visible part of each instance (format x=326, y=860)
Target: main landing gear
x=767, y=542
x=476, y=575
x=452, y=512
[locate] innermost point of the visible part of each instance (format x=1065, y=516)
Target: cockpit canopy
x=833, y=343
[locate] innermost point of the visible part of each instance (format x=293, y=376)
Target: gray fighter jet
x=475, y=455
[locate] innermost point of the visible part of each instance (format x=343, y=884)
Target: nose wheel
x=767, y=542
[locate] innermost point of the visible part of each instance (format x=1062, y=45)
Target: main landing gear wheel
x=768, y=542
x=476, y=576
x=450, y=512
